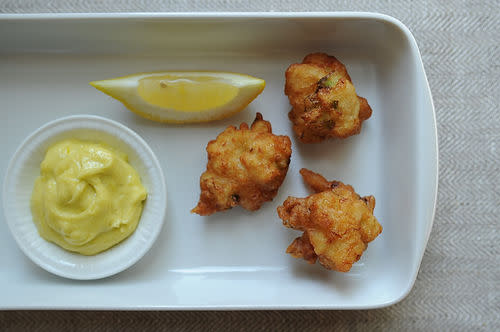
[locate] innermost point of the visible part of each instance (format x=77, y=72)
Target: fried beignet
x=324, y=101
x=246, y=166
x=337, y=223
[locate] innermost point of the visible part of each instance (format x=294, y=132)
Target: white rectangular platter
x=234, y=259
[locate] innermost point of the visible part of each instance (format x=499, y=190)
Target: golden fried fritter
x=324, y=101
x=245, y=167
x=337, y=223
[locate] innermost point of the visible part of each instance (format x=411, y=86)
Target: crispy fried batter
x=323, y=98
x=245, y=167
x=337, y=223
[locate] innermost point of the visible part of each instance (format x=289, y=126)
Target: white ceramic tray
x=235, y=259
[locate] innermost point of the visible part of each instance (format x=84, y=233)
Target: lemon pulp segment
x=188, y=94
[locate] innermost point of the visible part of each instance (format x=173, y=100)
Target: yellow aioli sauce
x=87, y=198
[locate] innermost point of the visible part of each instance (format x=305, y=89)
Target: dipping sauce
x=87, y=198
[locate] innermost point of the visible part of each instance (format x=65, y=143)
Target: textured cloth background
x=458, y=287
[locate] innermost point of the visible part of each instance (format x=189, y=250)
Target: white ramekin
x=24, y=168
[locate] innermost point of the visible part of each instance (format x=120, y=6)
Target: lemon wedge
x=183, y=96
